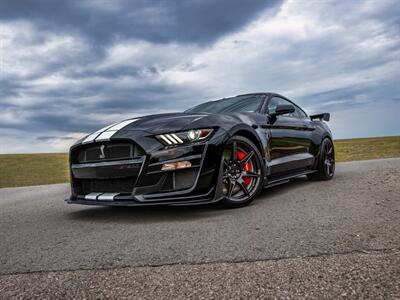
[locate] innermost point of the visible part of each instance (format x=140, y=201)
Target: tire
x=326, y=162
x=243, y=173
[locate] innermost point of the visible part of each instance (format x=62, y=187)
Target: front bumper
x=141, y=182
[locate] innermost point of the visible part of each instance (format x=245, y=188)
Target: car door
x=290, y=139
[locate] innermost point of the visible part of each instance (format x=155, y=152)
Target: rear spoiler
x=325, y=116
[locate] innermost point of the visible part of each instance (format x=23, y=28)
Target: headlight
x=184, y=137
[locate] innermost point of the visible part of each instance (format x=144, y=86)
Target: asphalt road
x=356, y=213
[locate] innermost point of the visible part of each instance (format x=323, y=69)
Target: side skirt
x=285, y=179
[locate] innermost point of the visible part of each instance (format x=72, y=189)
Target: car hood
x=140, y=127
x=170, y=122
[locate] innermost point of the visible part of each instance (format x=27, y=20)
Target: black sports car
x=225, y=150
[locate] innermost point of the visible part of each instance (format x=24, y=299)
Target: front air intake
x=119, y=185
x=108, y=152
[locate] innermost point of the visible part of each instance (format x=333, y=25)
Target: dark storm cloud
x=155, y=21
x=40, y=122
x=9, y=88
x=65, y=111
x=101, y=24
x=72, y=67
x=385, y=93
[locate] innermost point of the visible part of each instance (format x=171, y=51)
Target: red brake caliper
x=247, y=166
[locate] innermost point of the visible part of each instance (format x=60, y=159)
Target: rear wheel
x=243, y=172
x=326, y=162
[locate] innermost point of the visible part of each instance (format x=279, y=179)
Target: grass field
x=36, y=169
x=367, y=148
x=33, y=169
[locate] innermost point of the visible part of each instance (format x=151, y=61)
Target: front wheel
x=243, y=172
x=326, y=162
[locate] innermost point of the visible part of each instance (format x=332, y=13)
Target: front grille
x=124, y=185
x=109, y=151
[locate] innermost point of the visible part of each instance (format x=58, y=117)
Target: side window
x=275, y=101
x=300, y=114
x=273, y=104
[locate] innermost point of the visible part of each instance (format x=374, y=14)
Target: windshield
x=249, y=103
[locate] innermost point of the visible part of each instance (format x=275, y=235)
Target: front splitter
x=134, y=203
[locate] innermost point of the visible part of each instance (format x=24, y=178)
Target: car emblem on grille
x=102, y=155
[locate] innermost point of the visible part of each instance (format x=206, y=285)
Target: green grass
x=367, y=148
x=33, y=169
x=37, y=169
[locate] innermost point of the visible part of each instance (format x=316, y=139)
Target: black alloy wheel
x=243, y=172
x=326, y=162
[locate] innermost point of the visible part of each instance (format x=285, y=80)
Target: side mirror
x=283, y=110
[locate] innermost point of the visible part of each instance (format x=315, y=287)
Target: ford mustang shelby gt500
x=225, y=150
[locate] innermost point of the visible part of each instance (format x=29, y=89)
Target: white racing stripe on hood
x=90, y=137
x=94, y=135
x=121, y=125
x=105, y=135
x=107, y=132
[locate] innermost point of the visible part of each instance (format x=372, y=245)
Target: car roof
x=250, y=94
x=263, y=94
x=273, y=94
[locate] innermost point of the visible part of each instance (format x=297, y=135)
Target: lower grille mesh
x=124, y=185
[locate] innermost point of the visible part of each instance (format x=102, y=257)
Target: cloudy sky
x=70, y=67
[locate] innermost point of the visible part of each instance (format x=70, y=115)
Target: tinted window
x=275, y=101
x=301, y=114
x=234, y=104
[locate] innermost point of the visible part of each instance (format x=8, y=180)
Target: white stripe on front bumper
x=92, y=196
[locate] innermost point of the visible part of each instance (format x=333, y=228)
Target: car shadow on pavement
x=152, y=214
x=287, y=187
x=166, y=214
